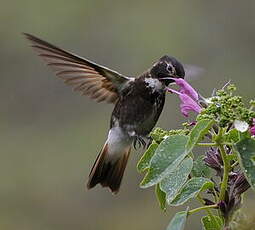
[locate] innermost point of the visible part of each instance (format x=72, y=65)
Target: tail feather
x=108, y=170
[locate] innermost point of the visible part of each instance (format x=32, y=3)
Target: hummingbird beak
x=169, y=80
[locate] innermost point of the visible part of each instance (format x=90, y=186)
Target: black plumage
x=138, y=103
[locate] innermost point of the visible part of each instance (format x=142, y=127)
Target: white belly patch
x=117, y=141
x=153, y=83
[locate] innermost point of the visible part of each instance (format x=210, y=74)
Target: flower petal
x=188, y=96
x=241, y=126
x=252, y=130
x=213, y=160
x=188, y=105
x=186, y=88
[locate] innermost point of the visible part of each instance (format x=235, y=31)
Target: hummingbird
x=138, y=103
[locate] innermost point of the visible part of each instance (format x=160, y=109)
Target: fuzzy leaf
x=166, y=159
x=144, y=162
x=161, y=195
x=200, y=169
x=232, y=136
x=212, y=223
x=244, y=135
x=191, y=189
x=173, y=182
x=178, y=221
x=246, y=152
x=198, y=132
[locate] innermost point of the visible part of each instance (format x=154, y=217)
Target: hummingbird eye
x=170, y=68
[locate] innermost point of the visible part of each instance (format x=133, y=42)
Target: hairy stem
x=202, y=208
x=207, y=144
x=200, y=199
x=226, y=165
x=234, y=164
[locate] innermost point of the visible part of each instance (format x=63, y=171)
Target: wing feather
x=91, y=79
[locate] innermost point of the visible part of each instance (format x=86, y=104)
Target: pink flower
x=186, y=88
x=188, y=105
x=252, y=129
x=188, y=97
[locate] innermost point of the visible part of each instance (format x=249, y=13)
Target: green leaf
x=191, y=189
x=198, y=132
x=233, y=156
x=174, y=181
x=232, y=136
x=166, y=159
x=200, y=169
x=212, y=222
x=144, y=162
x=178, y=221
x=244, y=135
x=246, y=152
x=161, y=195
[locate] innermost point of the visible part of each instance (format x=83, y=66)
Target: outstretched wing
x=193, y=72
x=96, y=81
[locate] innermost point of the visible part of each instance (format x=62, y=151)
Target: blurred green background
x=50, y=136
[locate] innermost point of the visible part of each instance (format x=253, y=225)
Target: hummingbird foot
x=150, y=139
x=139, y=142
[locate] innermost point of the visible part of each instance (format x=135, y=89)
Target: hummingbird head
x=167, y=67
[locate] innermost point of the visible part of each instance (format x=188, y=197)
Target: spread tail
x=109, y=168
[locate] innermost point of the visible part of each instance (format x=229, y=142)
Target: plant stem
x=200, y=199
x=207, y=144
x=202, y=208
x=234, y=164
x=216, y=195
x=226, y=165
x=212, y=144
x=228, y=143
